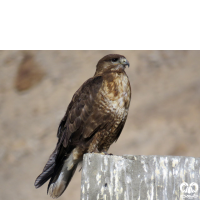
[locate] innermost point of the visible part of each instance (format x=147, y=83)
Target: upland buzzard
x=94, y=119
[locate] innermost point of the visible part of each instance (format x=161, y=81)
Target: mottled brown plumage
x=94, y=119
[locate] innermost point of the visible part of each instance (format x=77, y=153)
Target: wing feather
x=79, y=119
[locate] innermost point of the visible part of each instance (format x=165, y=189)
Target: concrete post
x=140, y=177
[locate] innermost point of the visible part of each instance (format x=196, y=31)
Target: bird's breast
x=115, y=93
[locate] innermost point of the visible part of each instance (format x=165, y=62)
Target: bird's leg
x=93, y=147
x=96, y=151
x=104, y=151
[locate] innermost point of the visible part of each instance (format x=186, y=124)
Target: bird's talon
x=106, y=153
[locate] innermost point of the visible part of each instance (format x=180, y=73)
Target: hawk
x=94, y=119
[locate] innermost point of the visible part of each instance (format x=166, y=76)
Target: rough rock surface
x=164, y=117
x=140, y=177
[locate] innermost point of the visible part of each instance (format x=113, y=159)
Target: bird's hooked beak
x=125, y=62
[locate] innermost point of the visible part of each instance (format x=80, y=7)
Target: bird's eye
x=114, y=59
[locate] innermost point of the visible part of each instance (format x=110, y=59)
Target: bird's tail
x=47, y=171
x=62, y=177
x=60, y=173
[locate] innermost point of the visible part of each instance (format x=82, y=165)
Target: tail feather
x=59, y=169
x=55, y=189
x=62, y=178
x=47, y=171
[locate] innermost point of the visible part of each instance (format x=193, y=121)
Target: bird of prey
x=94, y=119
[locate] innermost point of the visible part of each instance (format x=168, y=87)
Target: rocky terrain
x=37, y=86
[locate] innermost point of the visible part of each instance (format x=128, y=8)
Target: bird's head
x=111, y=62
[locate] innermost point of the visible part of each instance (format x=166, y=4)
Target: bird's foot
x=103, y=153
x=106, y=153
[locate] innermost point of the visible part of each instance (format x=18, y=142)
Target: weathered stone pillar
x=140, y=177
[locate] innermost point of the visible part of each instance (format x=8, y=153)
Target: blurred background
x=37, y=86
